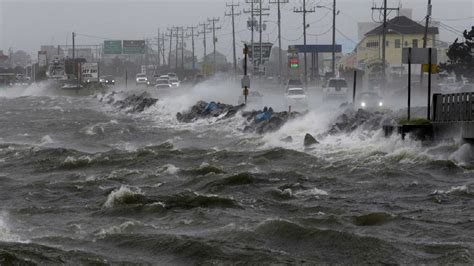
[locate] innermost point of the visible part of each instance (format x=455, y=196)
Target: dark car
x=107, y=80
x=369, y=100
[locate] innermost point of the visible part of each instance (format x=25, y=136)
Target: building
x=401, y=32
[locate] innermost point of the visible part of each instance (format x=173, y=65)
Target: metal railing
x=456, y=107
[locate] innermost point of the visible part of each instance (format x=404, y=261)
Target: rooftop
x=403, y=25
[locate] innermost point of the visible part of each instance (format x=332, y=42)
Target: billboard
x=420, y=55
x=113, y=47
x=134, y=46
x=42, y=58
x=254, y=54
x=90, y=72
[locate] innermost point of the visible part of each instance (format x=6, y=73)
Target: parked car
x=336, y=90
x=141, y=79
x=162, y=84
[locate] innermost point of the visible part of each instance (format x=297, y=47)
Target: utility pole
x=427, y=24
x=73, y=54
x=158, y=41
x=334, y=38
x=252, y=26
x=177, y=47
x=384, y=34
x=279, y=2
x=259, y=12
x=425, y=37
x=214, y=28
x=182, y=51
x=233, y=14
x=171, y=45
x=204, y=32
x=163, y=48
x=192, y=43
x=304, y=11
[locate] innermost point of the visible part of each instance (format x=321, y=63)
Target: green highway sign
x=113, y=47
x=133, y=46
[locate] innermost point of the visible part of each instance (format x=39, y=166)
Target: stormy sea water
x=82, y=182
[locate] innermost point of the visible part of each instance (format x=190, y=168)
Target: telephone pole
x=233, y=14
x=73, y=54
x=204, y=31
x=427, y=24
x=214, y=28
x=304, y=11
x=252, y=26
x=334, y=38
x=425, y=36
x=158, y=51
x=279, y=2
x=171, y=46
x=182, y=51
x=384, y=34
x=192, y=43
x=259, y=12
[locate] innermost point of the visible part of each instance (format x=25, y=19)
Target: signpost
x=424, y=56
x=113, y=47
x=134, y=47
x=90, y=72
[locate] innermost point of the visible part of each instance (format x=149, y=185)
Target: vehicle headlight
x=363, y=104
x=113, y=80
x=106, y=81
x=380, y=104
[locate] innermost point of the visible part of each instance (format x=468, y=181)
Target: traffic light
x=294, y=63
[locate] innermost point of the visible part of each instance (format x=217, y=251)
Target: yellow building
x=401, y=32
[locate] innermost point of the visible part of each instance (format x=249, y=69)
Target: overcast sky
x=27, y=24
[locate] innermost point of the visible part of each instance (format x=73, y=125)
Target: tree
x=460, y=54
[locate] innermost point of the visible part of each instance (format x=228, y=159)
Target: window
x=397, y=43
x=372, y=44
x=406, y=44
x=415, y=43
x=387, y=43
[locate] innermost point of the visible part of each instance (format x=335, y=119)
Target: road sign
x=90, y=72
x=315, y=48
x=434, y=68
x=113, y=47
x=420, y=55
x=133, y=46
x=246, y=82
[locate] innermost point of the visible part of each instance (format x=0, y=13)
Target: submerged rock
x=309, y=140
x=352, y=120
x=204, y=109
x=136, y=104
x=262, y=122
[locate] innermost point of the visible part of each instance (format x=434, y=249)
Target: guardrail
x=456, y=107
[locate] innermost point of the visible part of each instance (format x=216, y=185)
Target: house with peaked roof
x=401, y=32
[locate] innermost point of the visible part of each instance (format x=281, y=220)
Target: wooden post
x=355, y=87
x=429, y=83
x=409, y=82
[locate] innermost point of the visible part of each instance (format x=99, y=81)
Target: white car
x=141, y=79
x=162, y=84
x=296, y=98
x=174, y=82
x=336, y=90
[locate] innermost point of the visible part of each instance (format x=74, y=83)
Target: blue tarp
x=263, y=116
x=210, y=107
